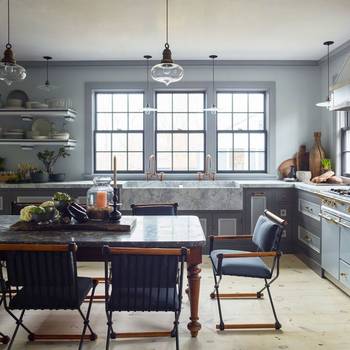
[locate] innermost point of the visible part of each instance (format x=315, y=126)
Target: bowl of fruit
x=43, y=213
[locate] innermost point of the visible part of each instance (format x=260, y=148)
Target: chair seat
x=59, y=297
x=147, y=299
x=247, y=267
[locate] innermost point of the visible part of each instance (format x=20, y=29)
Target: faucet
x=207, y=170
x=152, y=173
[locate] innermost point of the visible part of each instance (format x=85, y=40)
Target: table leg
x=193, y=271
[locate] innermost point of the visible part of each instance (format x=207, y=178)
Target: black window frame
x=127, y=132
x=188, y=132
x=345, y=129
x=249, y=132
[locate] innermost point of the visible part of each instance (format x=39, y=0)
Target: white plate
x=40, y=137
x=41, y=127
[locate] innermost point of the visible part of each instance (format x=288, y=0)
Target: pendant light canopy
x=10, y=72
x=148, y=109
x=328, y=102
x=213, y=109
x=167, y=71
x=47, y=86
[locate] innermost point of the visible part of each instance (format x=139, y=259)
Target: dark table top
x=150, y=231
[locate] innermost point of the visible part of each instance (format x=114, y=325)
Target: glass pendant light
x=213, y=109
x=47, y=86
x=167, y=71
x=148, y=109
x=10, y=72
x=328, y=102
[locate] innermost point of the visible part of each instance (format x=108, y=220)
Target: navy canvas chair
x=266, y=237
x=44, y=277
x=143, y=279
x=154, y=209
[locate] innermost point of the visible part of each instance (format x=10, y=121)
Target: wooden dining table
x=149, y=231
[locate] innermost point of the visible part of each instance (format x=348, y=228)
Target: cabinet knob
x=344, y=274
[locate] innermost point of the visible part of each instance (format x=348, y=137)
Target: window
x=241, y=132
x=345, y=146
x=180, y=134
x=118, y=131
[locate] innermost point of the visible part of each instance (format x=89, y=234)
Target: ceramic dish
x=41, y=127
x=40, y=137
x=19, y=95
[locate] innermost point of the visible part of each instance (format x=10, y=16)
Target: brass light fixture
x=213, y=109
x=10, y=72
x=148, y=109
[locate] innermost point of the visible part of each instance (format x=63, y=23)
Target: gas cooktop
x=341, y=191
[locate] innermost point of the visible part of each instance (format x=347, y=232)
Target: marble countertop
x=150, y=231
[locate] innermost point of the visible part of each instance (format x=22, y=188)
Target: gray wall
x=297, y=91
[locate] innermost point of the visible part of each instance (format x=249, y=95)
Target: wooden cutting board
x=284, y=168
x=126, y=224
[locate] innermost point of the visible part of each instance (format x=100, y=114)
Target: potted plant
x=326, y=164
x=38, y=175
x=49, y=159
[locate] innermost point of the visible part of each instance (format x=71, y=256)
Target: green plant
x=49, y=158
x=326, y=164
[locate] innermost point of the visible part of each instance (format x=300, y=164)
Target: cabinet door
x=345, y=242
x=258, y=203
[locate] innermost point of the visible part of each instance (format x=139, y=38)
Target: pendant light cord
x=47, y=72
x=167, y=23
x=328, y=70
x=147, y=78
x=8, y=45
x=214, y=82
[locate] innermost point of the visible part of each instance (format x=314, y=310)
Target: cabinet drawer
x=309, y=239
x=309, y=209
x=345, y=243
x=344, y=273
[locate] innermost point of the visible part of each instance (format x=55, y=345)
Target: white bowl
x=303, y=176
x=14, y=102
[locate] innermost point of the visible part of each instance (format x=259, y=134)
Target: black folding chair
x=267, y=236
x=143, y=279
x=154, y=209
x=44, y=277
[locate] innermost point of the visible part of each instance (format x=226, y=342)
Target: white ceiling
x=128, y=29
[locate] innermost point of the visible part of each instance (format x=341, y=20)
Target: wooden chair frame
x=151, y=205
x=6, y=290
x=217, y=272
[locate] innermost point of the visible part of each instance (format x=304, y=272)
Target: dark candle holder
x=115, y=215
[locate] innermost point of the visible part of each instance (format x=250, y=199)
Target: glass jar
x=99, y=197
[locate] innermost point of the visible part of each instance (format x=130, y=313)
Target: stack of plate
x=14, y=134
x=60, y=136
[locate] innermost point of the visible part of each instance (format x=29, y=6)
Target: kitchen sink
x=181, y=184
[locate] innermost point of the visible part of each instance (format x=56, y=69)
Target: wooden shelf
x=28, y=114
x=30, y=143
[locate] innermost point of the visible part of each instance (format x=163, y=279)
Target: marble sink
x=181, y=184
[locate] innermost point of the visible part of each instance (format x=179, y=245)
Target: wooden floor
x=314, y=315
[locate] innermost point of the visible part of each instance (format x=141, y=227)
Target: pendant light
x=167, y=71
x=47, y=86
x=327, y=103
x=213, y=109
x=147, y=109
x=10, y=72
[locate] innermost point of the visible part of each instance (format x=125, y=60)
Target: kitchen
x=223, y=141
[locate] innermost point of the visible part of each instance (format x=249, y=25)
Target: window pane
x=164, y=161
x=135, y=161
x=196, y=142
x=346, y=140
x=225, y=161
x=256, y=121
x=180, y=121
x=225, y=142
x=256, y=102
x=180, y=161
x=196, y=121
x=135, y=102
x=180, y=102
x=241, y=142
x=180, y=142
x=103, y=142
x=121, y=160
x=240, y=102
x=195, y=160
x=240, y=160
x=257, y=142
x=195, y=102
x=164, y=102
x=224, y=121
x=224, y=102
x=120, y=121
x=135, y=142
x=240, y=121
x=104, y=121
x=164, y=142
x=119, y=142
x=257, y=161
x=120, y=102
x=103, y=102
x=136, y=121
x=164, y=121
x=103, y=161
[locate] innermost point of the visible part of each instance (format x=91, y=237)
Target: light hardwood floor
x=314, y=315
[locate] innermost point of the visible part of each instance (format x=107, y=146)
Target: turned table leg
x=193, y=271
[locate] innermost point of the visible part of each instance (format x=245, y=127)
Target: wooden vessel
x=317, y=153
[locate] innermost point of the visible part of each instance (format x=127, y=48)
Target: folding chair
x=3, y=338
x=154, y=209
x=44, y=277
x=143, y=279
x=267, y=236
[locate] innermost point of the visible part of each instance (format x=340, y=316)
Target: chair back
x=45, y=271
x=154, y=209
x=268, y=232
x=144, y=279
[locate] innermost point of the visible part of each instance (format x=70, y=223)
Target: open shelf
x=30, y=143
x=28, y=114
